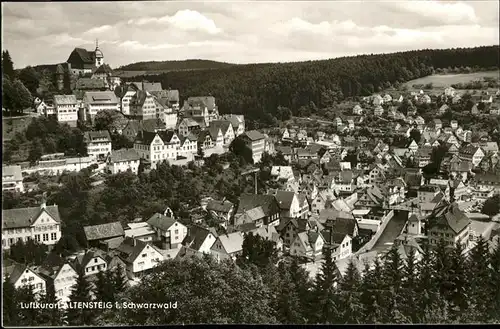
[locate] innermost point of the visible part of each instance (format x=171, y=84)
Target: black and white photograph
x=250, y=163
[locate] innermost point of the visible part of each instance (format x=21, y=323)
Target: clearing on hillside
x=446, y=80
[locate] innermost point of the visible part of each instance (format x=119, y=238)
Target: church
x=83, y=61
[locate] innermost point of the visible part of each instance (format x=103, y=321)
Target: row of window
x=97, y=267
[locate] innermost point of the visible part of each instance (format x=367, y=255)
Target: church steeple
x=99, y=57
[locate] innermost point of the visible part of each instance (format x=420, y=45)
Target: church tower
x=99, y=57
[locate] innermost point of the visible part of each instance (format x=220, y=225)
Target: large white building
x=98, y=143
x=55, y=166
x=155, y=147
x=66, y=109
x=123, y=160
x=41, y=224
x=95, y=101
x=12, y=179
x=23, y=276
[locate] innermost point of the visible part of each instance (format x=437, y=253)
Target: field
x=445, y=80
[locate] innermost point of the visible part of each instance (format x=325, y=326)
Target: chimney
x=44, y=201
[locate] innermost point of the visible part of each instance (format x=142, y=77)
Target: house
x=123, y=160
x=60, y=276
x=413, y=147
x=378, y=111
x=376, y=174
x=138, y=256
x=423, y=156
x=471, y=153
x=339, y=243
x=372, y=197
x=457, y=190
x=95, y=101
x=141, y=231
x=133, y=127
x=199, y=240
x=255, y=141
x=190, y=125
x=90, y=262
x=169, y=231
x=216, y=136
x=125, y=94
x=437, y=124
x=167, y=115
x=291, y=204
x=202, y=107
x=261, y=209
x=238, y=123
x=98, y=144
x=487, y=181
x=289, y=228
x=95, y=234
x=23, y=276
x=221, y=209
x=449, y=92
x=335, y=221
x=450, y=223
x=387, y=98
x=322, y=201
x=268, y=233
x=188, y=146
x=41, y=224
x=142, y=106
x=377, y=100
x=426, y=193
x=454, y=124
x=228, y=246
x=307, y=244
x=157, y=147
x=66, y=108
x=282, y=173
x=12, y=179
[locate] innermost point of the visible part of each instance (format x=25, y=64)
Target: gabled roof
x=251, y=201
x=89, y=83
x=223, y=125
x=196, y=236
x=124, y=155
x=151, y=86
x=65, y=100
x=103, y=69
x=284, y=199
x=98, y=134
x=254, y=135
x=219, y=206
x=17, y=271
x=300, y=223
x=160, y=221
x=25, y=217
x=208, y=101
x=86, y=56
x=232, y=242
x=100, y=97
x=103, y=231
x=131, y=248
x=450, y=215
x=170, y=95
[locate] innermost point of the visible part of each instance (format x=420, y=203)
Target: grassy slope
x=445, y=80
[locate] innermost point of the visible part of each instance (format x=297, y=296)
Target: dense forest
x=257, y=90
x=437, y=286
x=189, y=64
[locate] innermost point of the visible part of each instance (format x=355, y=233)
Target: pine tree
x=371, y=295
x=81, y=292
x=426, y=287
x=10, y=304
x=409, y=287
x=441, y=267
x=325, y=288
x=104, y=287
x=459, y=281
x=494, y=283
x=392, y=276
x=27, y=316
x=288, y=301
x=50, y=316
x=8, y=65
x=119, y=279
x=478, y=263
x=350, y=295
x=300, y=277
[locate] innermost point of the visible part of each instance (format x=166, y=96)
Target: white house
x=12, y=179
x=95, y=101
x=342, y=246
x=226, y=129
x=63, y=277
x=238, y=123
x=90, y=262
x=169, y=231
x=66, y=108
x=123, y=160
x=98, y=143
x=199, y=240
x=307, y=244
x=188, y=146
x=157, y=147
x=42, y=224
x=228, y=246
x=23, y=276
x=138, y=256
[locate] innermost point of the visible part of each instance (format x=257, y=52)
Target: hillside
x=257, y=90
x=190, y=64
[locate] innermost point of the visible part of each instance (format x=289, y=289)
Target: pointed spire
x=96, y=43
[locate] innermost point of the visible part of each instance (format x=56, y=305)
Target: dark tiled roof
x=89, y=83
x=219, y=206
x=250, y=201
x=151, y=86
x=104, y=68
x=124, y=155
x=342, y=225
x=91, y=135
x=169, y=95
x=196, y=236
x=254, y=135
x=86, y=56
x=103, y=231
x=208, y=101
x=285, y=199
x=160, y=221
x=24, y=217
x=223, y=125
x=450, y=215
x=131, y=248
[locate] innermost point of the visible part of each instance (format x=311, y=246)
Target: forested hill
x=190, y=64
x=257, y=90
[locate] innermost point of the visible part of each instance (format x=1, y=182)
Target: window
x=140, y=263
x=53, y=236
x=95, y=260
x=93, y=268
x=46, y=237
x=144, y=255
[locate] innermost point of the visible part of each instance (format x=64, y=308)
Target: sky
x=241, y=31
